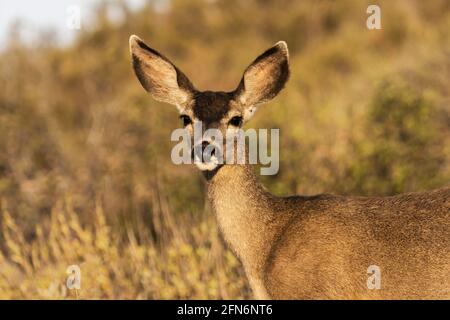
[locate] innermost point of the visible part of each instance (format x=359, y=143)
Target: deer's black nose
x=198, y=152
x=204, y=145
x=211, y=152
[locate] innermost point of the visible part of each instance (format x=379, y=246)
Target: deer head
x=263, y=79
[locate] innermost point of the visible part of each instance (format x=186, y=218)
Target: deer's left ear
x=160, y=77
x=265, y=77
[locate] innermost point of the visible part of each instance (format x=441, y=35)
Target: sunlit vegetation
x=85, y=170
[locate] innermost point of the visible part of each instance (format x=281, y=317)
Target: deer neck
x=245, y=212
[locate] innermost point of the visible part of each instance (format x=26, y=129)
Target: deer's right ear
x=159, y=76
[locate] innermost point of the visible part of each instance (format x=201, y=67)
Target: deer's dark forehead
x=211, y=106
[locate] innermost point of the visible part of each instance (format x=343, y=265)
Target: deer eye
x=186, y=120
x=236, y=121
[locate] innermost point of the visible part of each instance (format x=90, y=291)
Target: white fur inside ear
x=249, y=112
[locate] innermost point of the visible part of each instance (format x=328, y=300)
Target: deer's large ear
x=158, y=75
x=265, y=77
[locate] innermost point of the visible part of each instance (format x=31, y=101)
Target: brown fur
x=211, y=107
x=320, y=247
x=317, y=247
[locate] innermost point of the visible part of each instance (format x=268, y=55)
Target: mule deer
x=306, y=247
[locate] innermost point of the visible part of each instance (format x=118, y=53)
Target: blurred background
x=85, y=170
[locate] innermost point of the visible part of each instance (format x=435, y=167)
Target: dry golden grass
x=191, y=264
